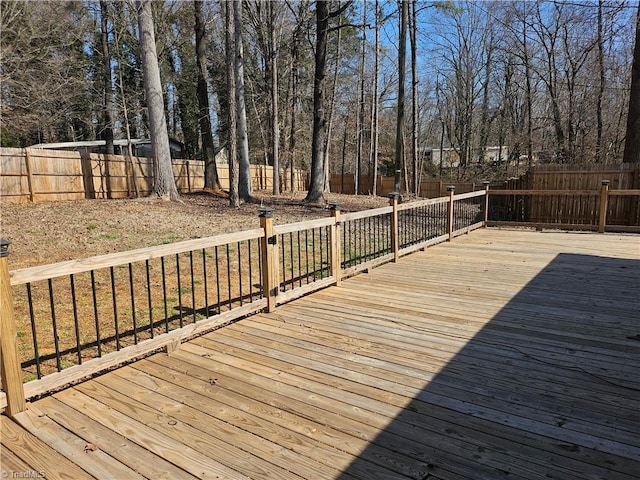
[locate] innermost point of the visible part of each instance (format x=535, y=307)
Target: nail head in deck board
x=119, y=447
x=40, y=456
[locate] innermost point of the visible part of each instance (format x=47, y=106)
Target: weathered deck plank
x=503, y=354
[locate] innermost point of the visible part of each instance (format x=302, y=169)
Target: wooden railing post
x=269, y=250
x=604, y=204
x=393, y=201
x=486, y=202
x=451, y=189
x=336, y=261
x=11, y=373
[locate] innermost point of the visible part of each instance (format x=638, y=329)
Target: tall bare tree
x=232, y=110
x=108, y=84
x=273, y=84
x=315, y=194
x=164, y=184
x=632, y=142
x=402, y=52
x=413, y=30
x=361, y=109
x=244, y=169
x=211, y=179
x=373, y=153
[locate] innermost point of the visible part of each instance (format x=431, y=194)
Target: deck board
x=502, y=354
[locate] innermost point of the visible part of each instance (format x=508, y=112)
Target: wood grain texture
x=503, y=354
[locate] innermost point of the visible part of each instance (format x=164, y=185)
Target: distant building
x=141, y=147
x=451, y=159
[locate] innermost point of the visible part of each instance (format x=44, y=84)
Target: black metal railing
x=304, y=256
x=365, y=237
x=84, y=315
x=423, y=222
x=120, y=306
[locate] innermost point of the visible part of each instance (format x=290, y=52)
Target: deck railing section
x=304, y=256
x=72, y=319
x=611, y=210
x=366, y=239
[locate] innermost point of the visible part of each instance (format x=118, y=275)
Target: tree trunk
x=275, y=119
x=316, y=184
x=360, y=118
x=211, y=179
x=295, y=78
x=415, y=184
x=317, y=181
x=165, y=185
x=108, y=85
x=529, y=97
x=334, y=89
x=600, y=41
x=399, y=157
x=374, y=104
x=232, y=111
x=244, y=180
x=632, y=142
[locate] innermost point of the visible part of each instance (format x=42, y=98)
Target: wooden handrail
x=71, y=267
x=548, y=193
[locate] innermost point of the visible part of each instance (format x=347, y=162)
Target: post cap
x=486, y=183
x=265, y=212
x=451, y=188
x=394, y=195
x=335, y=206
x=4, y=247
x=605, y=183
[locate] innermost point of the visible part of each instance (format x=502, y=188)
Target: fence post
x=604, y=204
x=336, y=261
x=29, y=165
x=451, y=189
x=269, y=262
x=188, y=177
x=486, y=202
x=11, y=374
x=393, y=201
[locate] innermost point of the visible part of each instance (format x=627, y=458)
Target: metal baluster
x=133, y=306
x=33, y=331
x=150, y=303
x=55, y=325
x=115, y=308
x=76, y=326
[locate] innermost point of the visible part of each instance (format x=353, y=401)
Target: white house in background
x=141, y=147
x=451, y=159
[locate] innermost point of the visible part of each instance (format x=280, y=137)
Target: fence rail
x=64, y=322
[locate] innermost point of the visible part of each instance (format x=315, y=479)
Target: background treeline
x=548, y=79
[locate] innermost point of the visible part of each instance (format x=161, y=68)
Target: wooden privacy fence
x=625, y=176
x=613, y=210
x=385, y=185
x=563, y=196
x=64, y=322
x=37, y=175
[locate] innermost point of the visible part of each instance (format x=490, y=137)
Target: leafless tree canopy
x=547, y=81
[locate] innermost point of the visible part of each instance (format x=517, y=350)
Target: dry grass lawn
x=50, y=232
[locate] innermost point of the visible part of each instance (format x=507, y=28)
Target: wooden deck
x=504, y=354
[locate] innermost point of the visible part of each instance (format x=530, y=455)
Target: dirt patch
x=50, y=232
